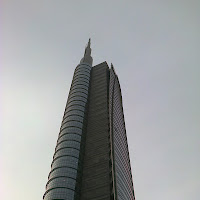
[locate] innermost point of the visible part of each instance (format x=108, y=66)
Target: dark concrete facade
x=96, y=165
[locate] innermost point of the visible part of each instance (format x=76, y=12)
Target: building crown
x=87, y=58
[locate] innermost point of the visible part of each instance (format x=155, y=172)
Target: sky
x=154, y=46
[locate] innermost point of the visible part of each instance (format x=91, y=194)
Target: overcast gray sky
x=155, y=48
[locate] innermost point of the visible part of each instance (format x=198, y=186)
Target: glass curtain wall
x=122, y=177
x=64, y=177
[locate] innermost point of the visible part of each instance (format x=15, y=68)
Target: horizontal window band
x=73, y=148
x=72, y=152
x=67, y=160
x=84, y=84
x=67, y=140
x=78, y=84
x=73, y=120
x=63, y=147
x=78, y=90
x=63, y=167
x=82, y=87
x=77, y=98
x=70, y=127
x=82, y=94
x=69, y=133
x=77, y=95
x=73, y=110
x=73, y=115
x=68, y=143
x=59, y=177
x=63, y=157
x=73, y=107
x=80, y=78
x=71, y=144
x=64, y=122
x=57, y=188
x=62, y=182
x=85, y=69
x=82, y=90
x=84, y=65
x=84, y=76
x=59, y=163
x=81, y=74
x=72, y=123
x=76, y=103
x=81, y=70
x=81, y=81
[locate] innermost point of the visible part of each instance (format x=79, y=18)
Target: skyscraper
x=91, y=159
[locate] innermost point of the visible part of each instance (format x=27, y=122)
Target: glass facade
x=122, y=177
x=91, y=159
x=64, y=177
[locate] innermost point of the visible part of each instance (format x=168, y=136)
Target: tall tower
x=91, y=159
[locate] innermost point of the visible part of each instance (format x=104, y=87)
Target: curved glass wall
x=67, y=152
x=70, y=136
x=122, y=177
x=63, y=181
x=60, y=193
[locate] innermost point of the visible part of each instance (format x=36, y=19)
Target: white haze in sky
x=154, y=46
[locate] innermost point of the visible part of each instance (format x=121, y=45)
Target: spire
x=89, y=42
x=87, y=55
